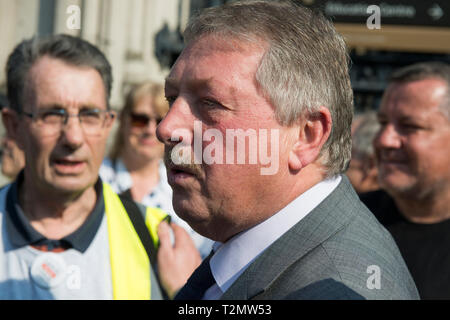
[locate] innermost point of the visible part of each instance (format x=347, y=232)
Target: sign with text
x=393, y=12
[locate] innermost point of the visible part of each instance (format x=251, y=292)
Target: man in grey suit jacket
x=336, y=252
x=286, y=222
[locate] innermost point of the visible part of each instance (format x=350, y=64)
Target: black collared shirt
x=21, y=233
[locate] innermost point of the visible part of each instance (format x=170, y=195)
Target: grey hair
x=366, y=129
x=304, y=67
x=426, y=70
x=72, y=50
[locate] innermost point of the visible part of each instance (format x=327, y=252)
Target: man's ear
x=313, y=132
x=10, y=120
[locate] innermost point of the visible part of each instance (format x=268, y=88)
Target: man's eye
x=51, y=115
x=210, y=103
x=91, y=114
x=92, y=117
x=410, y=127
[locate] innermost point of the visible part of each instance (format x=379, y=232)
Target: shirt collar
x=21, y=233
x=234, y=256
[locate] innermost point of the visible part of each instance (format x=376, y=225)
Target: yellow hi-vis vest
x=130, y=265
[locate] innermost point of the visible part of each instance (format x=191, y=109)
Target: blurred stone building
x=125, y=30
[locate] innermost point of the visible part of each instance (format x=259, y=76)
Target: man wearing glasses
x=65, y=234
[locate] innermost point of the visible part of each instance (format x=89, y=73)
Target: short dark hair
x=72, y=50
x=422, y=71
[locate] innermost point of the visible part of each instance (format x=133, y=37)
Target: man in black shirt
x=413, y=154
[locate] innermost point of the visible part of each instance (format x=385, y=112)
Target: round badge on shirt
x=48, y=270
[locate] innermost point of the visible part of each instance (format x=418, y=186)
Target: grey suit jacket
x=338, y=251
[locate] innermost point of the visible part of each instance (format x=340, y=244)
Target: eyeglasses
x=139, y=120
x=51, y=121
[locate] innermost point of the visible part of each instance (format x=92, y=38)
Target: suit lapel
x=325, y=220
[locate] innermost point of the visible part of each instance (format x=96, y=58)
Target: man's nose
x=387, y=137
x=177, y=125
x=72, y=132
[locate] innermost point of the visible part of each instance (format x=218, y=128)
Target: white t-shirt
x=28, y=273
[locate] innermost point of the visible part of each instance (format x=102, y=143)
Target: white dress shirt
x=231, y=258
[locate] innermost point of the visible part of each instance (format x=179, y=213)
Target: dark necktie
x=200, y=281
